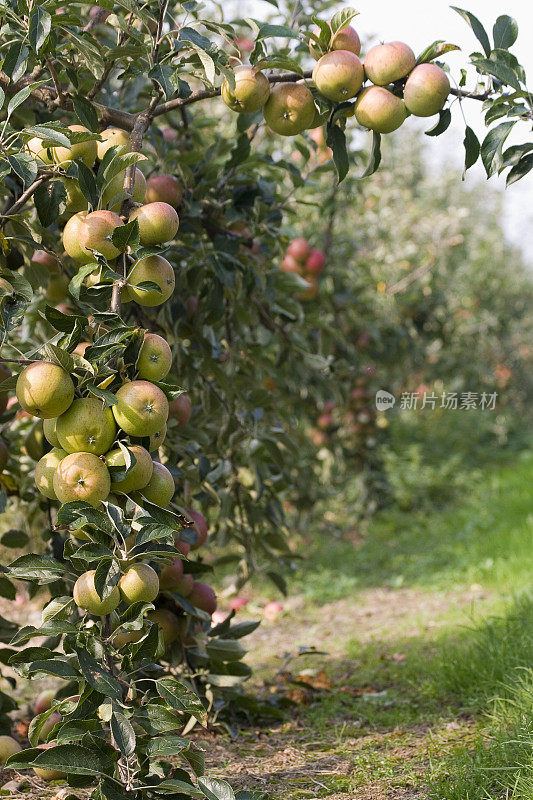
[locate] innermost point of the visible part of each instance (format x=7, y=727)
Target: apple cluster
x=306, y=261
x=387, y=87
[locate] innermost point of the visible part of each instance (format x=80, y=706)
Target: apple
x=344, y=39
x=272, y=610
x=167, y=622
x=88, y=426
x=44, y=701
x=158, y=223
x=49, y=725
x=390, y=62
x=76, y=200
x=142, y=408
x=155, y=358
x=46, y=260
x=138, y=476
x=116, y=187
x=238, y=603
x=164, y=189
x=183, y=547
x=96, y=231
x=127, y=637
x=81, y=347
x=160, y=488
x=48, y=775
x=289, y=264
x=312, y=290
x=34, y=147
x=57, y=287
x=180, y=409
x=426, y=90
x=338, y=75
x=173, y=579
x=316, y=261
x=203, y=597
x=200, y=526
x=87, y=598
x=157, y=439
x=8, y=747
x=45, y=469
x=299, y=249
x=380, y=110
x=290, y=109
x=72, y=238
x=140, y=584
x=251, y=91
x=151, y=268
x=82, y=476
x=44, y=389
x=84, y=151
x=112, y=137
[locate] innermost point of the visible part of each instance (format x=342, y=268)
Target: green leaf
x=87, y=182
x=15, y=61
x=479, y=31
x=268, y=31
x=435, y=50
x=48, y=199
x=14, y=538
x=342, y=18
x=226, y=650
x=126, y=236
x=505, y=32
x=104, y=394
x=58, y=608
x=491, y=149
x=98, y=677
x=59, y=356
x=106, y=577
x=86, y=113
x=336, y=140
x=445, y=118
x=521, y=169
x=215, y=789
x=162, y=75
x=166, y=746
x=76, y=283
x=70, y=758
x=279, y=62
x=499, y=70
x=123, y=733
x=24, y=166
x=180, y=697
x=40, y=23
x=36, y=567
x=375, y=156
x=472, y=148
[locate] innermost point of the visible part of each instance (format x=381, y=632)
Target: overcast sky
x=420, y=22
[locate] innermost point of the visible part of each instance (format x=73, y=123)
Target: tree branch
x=44, y=178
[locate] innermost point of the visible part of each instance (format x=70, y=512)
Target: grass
x=435, y=698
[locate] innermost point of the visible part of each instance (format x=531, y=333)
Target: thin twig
x=43, y=178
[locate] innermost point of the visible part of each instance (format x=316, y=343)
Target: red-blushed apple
x=199, y=523
x=164, y=189
x=183, y=547
x=82, y=476
x=46, y=259
x=387, y=63
x=379, y=110
x=203, y=597
x=290, y=109
x=251, y=91
x=299, y=249
x=238, y=603
x=426, y=90
x=180, y=409
x=72, y=238
x=338, y=75
x=315, y=262
x=344, y=39
x=96, y=231
x=272, y=610
x=289, y=264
